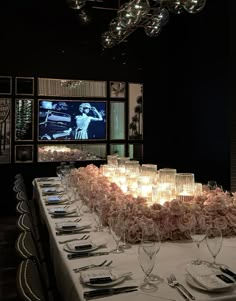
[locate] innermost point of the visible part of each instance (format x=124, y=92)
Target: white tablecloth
x=172, y=258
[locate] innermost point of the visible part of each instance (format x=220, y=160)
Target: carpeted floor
x=8, y=258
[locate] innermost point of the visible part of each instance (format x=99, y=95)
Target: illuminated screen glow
x=71, y=120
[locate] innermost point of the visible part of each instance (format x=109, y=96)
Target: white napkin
x=77, y=226
x=206, y=277
x=61, y=210
x=82, y=244
x=55, y=199
x=93, y=274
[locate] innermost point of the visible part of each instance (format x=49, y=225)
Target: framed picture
x=72, y=88
x=24, y=86
x=72, y=120
x=5, y=85
x=24, y=110
x=117, y=89
x=24, y=153
x=5, y=130
x=135, y=111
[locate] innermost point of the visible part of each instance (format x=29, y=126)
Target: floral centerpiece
x=173, y=218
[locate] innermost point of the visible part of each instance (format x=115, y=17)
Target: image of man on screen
x=87, y=114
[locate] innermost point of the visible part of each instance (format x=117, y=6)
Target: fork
x=174, y=280
x=84, y=237
x=86, y=267
x=171, y=284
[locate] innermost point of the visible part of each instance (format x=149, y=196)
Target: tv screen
x=71, y=120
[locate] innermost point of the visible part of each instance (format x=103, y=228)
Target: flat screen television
x=72, y=120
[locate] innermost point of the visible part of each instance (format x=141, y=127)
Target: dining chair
x=29, y=283
x=27, y=249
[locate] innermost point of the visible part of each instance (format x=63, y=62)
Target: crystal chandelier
x=151, y=15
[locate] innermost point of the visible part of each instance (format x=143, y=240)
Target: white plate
x=78, y=226
x=194, y=284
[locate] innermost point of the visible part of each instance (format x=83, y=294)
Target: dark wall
x=190, y=87
x=186, y=83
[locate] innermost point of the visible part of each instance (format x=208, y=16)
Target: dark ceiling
x=34, y=28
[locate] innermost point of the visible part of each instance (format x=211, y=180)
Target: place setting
x=60, y=212
x=55, y=200
x=52, y=191
x=106, y=281
x=72, y=227
x=210, y=277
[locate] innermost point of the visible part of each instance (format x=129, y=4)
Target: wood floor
x=8, y=259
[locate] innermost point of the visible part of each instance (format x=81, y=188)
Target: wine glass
x=214, y=242
x=157, y=238
x=147, y=251
x=212, y=185
x=115, y=227
x=97, y=211
x=197, y=235
x=58, y=172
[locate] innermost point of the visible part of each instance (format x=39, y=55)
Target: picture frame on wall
x=24, y=112
x=24, y=153
x=117, y=89
x=135, y=111
x=5, y=85
x=24, y=86
x=5, y=130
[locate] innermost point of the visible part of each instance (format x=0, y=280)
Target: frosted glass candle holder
x=112, y=160
x=185, y=186
x=198, y=189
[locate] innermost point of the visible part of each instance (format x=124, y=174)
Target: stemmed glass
x=115, y=227
x=147, y=251
x=214, y=242
x=157, y=238
x=198, y=235
x=97, y=211
x=212, y=185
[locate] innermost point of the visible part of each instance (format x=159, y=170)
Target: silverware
x=90, y=266
x=71, y=232
x=99, y=293
x=171, y=284
x=86, y=254
x=86, y=267
x=174, y=280
x=227, y=271
x=84, y=237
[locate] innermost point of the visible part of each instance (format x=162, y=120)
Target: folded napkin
x=85, y=245
x=98, y=276
x=55, y=199
x=51, y=191
x=73, y=226
x=207, y=277
x=80, y=245
x=61, y=211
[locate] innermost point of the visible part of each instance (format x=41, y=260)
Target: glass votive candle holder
x=185, y=186
x=112, y=160
x=198, y=189
x=132, y=166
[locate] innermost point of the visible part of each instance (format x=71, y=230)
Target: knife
x=228, y=272
x=71, y=232
x=98, y=293
x=86, y=254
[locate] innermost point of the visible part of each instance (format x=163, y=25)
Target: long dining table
x=173, y=257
